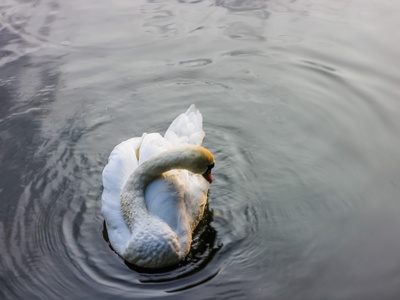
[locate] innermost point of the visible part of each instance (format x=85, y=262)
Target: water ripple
x=300, y=109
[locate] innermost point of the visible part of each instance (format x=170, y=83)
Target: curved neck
x=133, y=206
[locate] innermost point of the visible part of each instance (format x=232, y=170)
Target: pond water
x=301, y=109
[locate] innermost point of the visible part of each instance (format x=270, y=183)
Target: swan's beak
x=207, y=175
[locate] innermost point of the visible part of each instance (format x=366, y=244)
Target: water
x=301, y=110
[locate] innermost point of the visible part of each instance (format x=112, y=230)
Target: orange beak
x=207, y=175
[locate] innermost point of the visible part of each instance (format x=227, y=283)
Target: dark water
x=301, y=108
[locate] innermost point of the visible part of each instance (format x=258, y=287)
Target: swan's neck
x=133, y=206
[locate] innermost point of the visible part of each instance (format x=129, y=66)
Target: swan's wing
x=121, y=163
x=162, y=200
x=178, y=198
x=191, y=189
x=187, y=128
x=152, y=144
x=195, y=196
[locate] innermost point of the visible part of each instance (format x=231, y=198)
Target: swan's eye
x=210, y=167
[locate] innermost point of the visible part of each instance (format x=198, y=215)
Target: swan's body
x=154, y=194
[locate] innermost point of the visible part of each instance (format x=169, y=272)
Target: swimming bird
x=155, y=192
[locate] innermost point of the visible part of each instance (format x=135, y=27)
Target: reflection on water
x=300, y=107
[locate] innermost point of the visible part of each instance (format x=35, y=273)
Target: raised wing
x=187, y=128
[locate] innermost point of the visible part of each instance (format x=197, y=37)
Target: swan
x=155, y=191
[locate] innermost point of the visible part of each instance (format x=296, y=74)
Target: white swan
x=155, y=191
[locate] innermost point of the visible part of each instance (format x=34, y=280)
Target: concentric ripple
x=300, y=106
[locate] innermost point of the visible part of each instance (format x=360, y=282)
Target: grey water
x=301, y=109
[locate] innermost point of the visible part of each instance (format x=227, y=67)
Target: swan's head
x=202, y=161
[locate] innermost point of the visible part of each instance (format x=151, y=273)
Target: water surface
x=301, y=110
